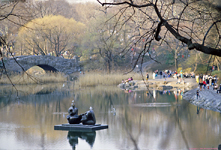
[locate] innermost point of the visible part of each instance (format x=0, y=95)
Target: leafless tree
x=195, y=23
x=39, y=9
x=11, y=12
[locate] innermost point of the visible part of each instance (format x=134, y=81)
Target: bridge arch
x=48, y=63
x=47, y=68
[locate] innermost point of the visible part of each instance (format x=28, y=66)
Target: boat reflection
x=73, y=136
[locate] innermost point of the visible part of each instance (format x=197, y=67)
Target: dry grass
x=94, y=79
x=21, y=79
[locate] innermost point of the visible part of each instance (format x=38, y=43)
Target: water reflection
x=73, y=136
x=8, y=94
x=219, y=147
x=198, y=109
x=175, y=126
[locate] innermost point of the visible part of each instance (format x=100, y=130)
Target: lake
x=136, y=119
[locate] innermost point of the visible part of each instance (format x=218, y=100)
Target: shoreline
x=208, y=99
x=160, y=84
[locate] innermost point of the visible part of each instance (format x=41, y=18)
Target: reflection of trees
x=178, y=121
x=176, y=115
x=36, y=112
x=101, y=98
x=37, y=92
x=135, y=127
x=173, y=124
x=201, y=126
x=129, y=129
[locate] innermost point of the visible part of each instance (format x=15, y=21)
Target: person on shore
x=156, y=73
x=204, y=85
x=165, y=80
x=207, y=81
x=153, y=75
x=219, y=90
x=215, y=78
x=210, y=80
x=181, y=75
x=219, y=147
x=197, y=94
x=213, y=81
x=197, y=79
x=147, y=76
x=161, y=74
x=201, y=84
x=123, y=81
x=178, y=81
x=174, y=75
x=215, y=87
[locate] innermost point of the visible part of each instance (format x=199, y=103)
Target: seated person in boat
x=88, y=118
x=73, y=117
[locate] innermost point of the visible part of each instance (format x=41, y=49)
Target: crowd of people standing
x=169, y=74
x=207, y=80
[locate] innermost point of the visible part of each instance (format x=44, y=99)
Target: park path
x=144, y=66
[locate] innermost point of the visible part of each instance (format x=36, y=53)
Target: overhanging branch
x=163, y=22
x=126, y=3
x=190, y=44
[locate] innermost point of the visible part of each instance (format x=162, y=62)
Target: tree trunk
x=195, y=63
x=21, y=49
x=109, y=66
x=217, y=63
x=55, y=49
x=175, y=60
x=58, y=48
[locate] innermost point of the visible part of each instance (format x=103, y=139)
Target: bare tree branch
x=175, y=32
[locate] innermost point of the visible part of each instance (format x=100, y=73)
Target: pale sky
x=80, y=1
x=83, y=1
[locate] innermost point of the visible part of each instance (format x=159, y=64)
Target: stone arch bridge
x=48, y=63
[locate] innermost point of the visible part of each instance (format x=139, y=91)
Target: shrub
x=179, y=69
x=216, y=72
x=20, y=79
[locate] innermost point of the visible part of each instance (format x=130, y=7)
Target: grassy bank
x=84, y=80
x=22, y=79
x=93, y=79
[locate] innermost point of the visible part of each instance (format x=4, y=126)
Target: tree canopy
x=51, y=34
x=121, y=33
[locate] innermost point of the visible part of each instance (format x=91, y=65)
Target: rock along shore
x=208, y=99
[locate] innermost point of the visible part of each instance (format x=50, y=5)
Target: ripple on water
x=152, y=105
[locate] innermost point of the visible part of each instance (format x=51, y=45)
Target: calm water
x=156, y=120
